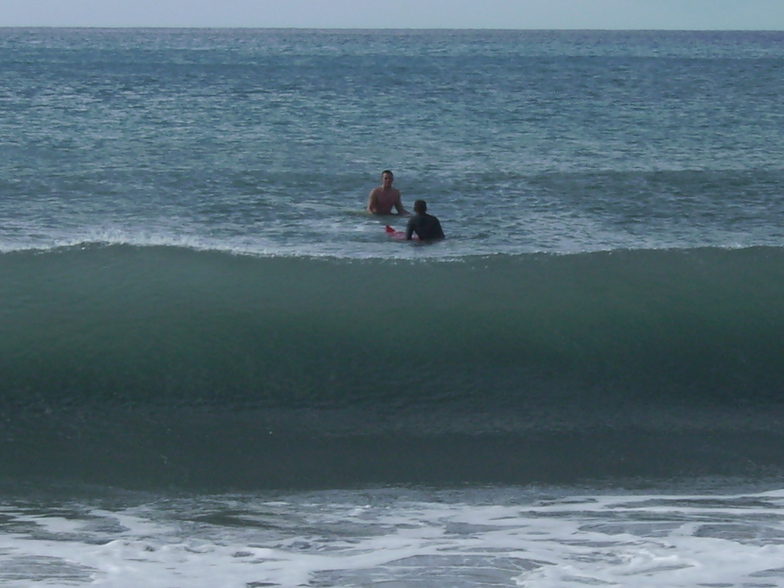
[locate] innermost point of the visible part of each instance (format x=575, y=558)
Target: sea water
x=217, y=370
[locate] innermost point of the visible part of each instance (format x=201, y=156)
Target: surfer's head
x=387, y=177
x=420, y=206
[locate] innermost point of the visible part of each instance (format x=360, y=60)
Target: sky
x=407, y=14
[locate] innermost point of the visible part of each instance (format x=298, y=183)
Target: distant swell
x=193, y=366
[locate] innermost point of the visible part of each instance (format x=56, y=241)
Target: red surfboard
x=398, y=235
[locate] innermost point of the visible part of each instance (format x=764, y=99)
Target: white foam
x=357, y=538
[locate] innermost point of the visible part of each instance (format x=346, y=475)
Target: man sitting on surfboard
x=426, y=226
x=382, y=199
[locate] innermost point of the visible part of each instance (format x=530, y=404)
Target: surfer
x=426, y=226
x=383, y=198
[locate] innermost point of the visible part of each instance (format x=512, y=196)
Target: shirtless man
x=382, y=199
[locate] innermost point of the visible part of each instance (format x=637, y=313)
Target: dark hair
x=420, y=206
x=387, y=171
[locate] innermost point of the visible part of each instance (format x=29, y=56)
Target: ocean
x=217, y=370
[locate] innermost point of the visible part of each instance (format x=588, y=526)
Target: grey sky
x=510, y=14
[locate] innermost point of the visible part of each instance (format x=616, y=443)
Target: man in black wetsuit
x=426, y=226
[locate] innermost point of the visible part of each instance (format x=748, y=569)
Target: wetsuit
x=426, y=226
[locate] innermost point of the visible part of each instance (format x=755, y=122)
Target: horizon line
x=309, y=28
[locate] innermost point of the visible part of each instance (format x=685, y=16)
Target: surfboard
x=394, y=233
x=398, y=235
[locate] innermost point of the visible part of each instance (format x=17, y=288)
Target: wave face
x=162, y=365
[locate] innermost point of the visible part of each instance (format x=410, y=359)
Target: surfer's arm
x=410, y=229
x=439, y=230
x=399, y=206
x=372, y=204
